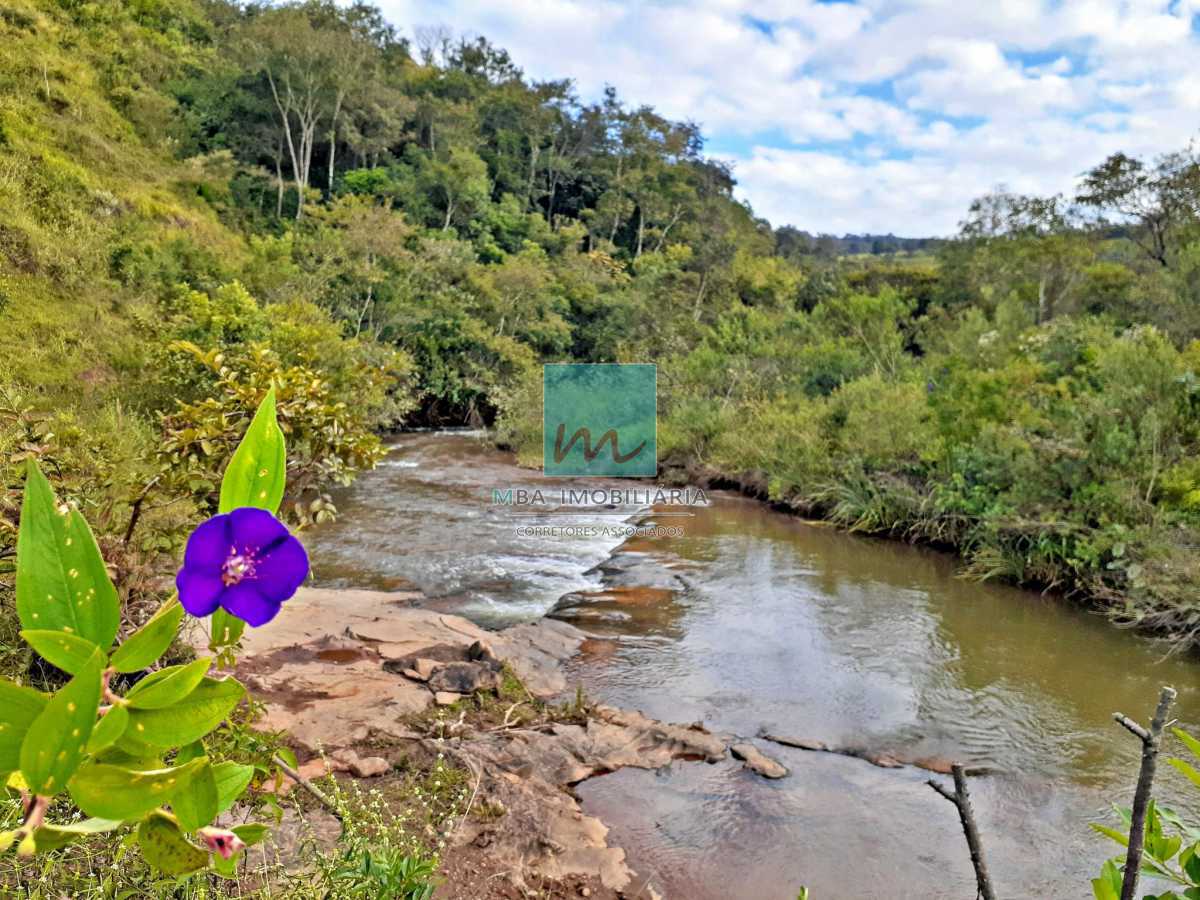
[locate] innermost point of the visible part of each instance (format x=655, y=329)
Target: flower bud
x=6, y=839
x=221, y=840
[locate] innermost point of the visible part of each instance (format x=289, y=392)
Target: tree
x=1029, y=240
x=306, y=77
x=458, y=183
x=369, y=241
x=1157, y=202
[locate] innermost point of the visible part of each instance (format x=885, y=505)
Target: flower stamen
x=237, y=567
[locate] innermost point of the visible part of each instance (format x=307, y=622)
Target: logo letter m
x=590, y=453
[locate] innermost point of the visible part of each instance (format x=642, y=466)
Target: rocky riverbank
x=364, y=681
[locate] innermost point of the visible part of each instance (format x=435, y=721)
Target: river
x=806, y=631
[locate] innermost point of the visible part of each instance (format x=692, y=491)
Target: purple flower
x=245, y=561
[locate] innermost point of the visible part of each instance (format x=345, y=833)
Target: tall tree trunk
x=663, y=237
x=308, y=137
x=279, y=185
x=641, y=230
x=449, y=213
x=534, y=152
x=700, y=296
x=286, y=123
x=337, y=108
x=550, y=201
x=612, y=235
x=366, y=306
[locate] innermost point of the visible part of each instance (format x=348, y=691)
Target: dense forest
x=198, y=199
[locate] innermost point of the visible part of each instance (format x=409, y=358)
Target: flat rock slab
x=336, y=667
x=627, y=568
x=322, y=666
x=544, y=832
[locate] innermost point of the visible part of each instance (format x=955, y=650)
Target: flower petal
x=222, y=840
x=208, y=545
x=255, y=529
x=243, y=601
x=199, y=591
x=282, y=570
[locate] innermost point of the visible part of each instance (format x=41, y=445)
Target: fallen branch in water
x=1141, y=796
x=962, y=800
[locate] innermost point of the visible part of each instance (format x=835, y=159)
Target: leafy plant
x=1172, y=846
x=385, y=874
x=136, y=760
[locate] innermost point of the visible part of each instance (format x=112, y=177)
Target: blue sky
x=872, y=116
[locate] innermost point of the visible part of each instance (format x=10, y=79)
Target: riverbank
x=366, y=683
x=1148, y=594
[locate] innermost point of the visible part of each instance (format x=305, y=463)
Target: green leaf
x=226, y=629
x=128, y=749
x=227, y=868
x=108, y=730
x=67, y=651
x=62, y=584
x=231, y=779
x=1120, y=838
x=1189, y=860
x=118, y=755
x=188, y=752
x=257, y=471
x=19, y=707
x=1190, y=742
x=113, y=792
x=165, y=847
x=1108, y=885
x=150, y=641
x=196, y=804
x=55, y=742
x=1163, y=848
x=168, y=686
x=188, y=720
x=251, y=833
x=256, y=476
x=52, y=837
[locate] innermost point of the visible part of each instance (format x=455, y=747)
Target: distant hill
x=792, y=242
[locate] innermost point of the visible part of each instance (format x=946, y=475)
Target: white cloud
x=885, y=115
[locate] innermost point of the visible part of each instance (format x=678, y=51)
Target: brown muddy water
x=805, y=631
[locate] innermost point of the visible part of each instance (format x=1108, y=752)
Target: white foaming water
x=424, y=517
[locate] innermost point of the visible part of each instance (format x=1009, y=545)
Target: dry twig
x=962, y=801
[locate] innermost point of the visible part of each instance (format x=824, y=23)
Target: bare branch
x=961, y=799
x=1133, y=727
x=1141, y=796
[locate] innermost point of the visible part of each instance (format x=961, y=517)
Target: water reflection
x=866, y=643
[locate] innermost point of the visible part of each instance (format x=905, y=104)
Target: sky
x=872, y=116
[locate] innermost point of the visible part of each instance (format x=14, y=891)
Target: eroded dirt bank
x=368, y=679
